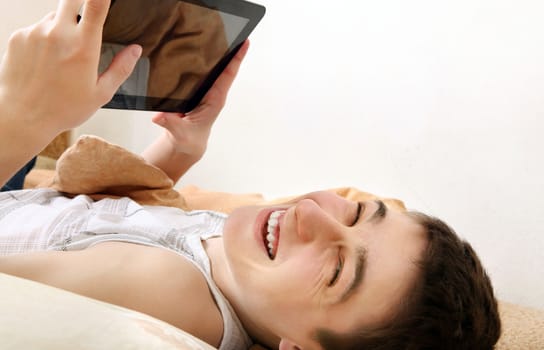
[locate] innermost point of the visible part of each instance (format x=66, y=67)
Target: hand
x=49, y=76
x=188, y=133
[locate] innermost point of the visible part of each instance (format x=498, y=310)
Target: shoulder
x=160, y=283
x=183, y=297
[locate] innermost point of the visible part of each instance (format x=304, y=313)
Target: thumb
x=166, y=119
x=120, y=69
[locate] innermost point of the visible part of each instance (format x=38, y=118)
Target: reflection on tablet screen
x=186, y=44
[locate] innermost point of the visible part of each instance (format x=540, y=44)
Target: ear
x=288, y=345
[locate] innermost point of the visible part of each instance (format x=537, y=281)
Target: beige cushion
x=523, y=328
x=36, y=316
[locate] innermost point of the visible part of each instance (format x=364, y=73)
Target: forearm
x=163, y=154
x=19, y=142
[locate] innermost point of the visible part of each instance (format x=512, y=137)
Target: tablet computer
x=186, y=45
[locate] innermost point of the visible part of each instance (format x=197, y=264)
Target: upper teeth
x=272, y=235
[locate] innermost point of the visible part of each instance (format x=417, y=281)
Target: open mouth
x=271, y=233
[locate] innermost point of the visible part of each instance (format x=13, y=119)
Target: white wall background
x=439, y=103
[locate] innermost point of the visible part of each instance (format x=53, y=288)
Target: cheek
x=307, y=264
x=298, y=276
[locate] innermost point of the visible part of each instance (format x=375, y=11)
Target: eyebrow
x=360, y=264
x=380, y=213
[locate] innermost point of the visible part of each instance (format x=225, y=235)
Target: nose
x=315, y=224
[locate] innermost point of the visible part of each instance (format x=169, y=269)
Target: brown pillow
x=97, y=168
x=100, y=169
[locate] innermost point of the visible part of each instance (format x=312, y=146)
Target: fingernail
x=137, y=51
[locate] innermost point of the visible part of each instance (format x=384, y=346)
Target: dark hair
x=452, y=305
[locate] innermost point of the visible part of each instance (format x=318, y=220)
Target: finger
x=170, y=121
x=48, y=18
x=120, y=69
x=159, y=118
x=68, y=10
x=94, y=15
x=225, y=80
x=46, y=22
x=162, y=118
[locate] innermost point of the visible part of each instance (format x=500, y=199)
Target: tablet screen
x=186, y=45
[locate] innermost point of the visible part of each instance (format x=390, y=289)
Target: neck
x=224, y=280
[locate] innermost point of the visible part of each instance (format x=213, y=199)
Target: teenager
x=320, y=272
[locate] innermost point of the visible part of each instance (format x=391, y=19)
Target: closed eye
x=358, y=213
x=340, y=265
x=337, y=272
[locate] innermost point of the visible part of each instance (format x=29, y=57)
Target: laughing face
x=321, y=262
